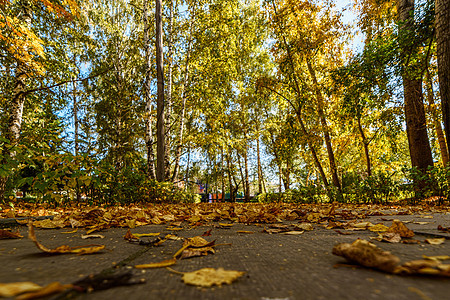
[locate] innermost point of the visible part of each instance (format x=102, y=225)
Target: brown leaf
x=207, y=233
x=368, y=255
x=88, y=249
x=129, y=236
x=245, y=231
x=208, y=277
x=6, y=234
x=444, y=229
x=303, y=226
x=16, y=288
x=161, y=264
x=400, y=228
x=342, y=232
x=194, y=252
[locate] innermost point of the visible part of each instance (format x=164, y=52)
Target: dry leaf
x=161, y=264
x=444, y=229
x=437, y=241
x=194, y=252
x=52, y=288
x=49, y=224
x=207, y=233
x=342, y=232
x=437, y=257
x=92, y=236
x=400, y=228
x=88, y=249
x=15, y=288
x=70, y=232
x=293, y=232
x=208, y=277
x=390, y=237
x=304, y=226
x=245, y=231
x=129, y=236
x=379, y=228
x=6, y=234
x=427, y=217
x=138, y=235
x=368, y=255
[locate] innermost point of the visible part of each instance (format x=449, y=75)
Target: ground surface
x=276, y=266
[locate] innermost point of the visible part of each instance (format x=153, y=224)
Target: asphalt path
x=276, y=266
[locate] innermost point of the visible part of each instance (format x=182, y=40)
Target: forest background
x=128, y=101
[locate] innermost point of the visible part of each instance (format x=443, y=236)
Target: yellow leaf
x=50, y=289
x=89, y=249
x=379, y=228
x=162, y=264
x=15, y=288
x=146, y=234
x=208, y=277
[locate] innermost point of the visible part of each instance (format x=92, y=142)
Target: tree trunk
x=16, y=106
x=442, y=9
x=183, y=109
x=168, y=111
x=258, y=158
x=436, y=120
x=365, y=143
x=313, y=150
x=416, y=129
x=246, y=181
x=323, y=121
x=147, y=92
x=160, y=120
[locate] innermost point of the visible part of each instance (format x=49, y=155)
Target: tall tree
x=442, y=9
x=416, y=128
x=160, y=119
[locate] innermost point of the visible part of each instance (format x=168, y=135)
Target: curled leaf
x=437, y=241
x=400, y=228
x=161, y=264
x=52, y=288
x=88, y=249
x=368, y=255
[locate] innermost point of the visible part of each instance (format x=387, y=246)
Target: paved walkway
x=277, y=266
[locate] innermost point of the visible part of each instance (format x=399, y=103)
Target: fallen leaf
x=225, y=225
x=6, y=234
x=138, y=235
x=445, y=229
x=437, y=257
x=129, y=236
x=88, y=249
x=207, y=233
x=92, y=236
x=52, y=288
x=411, y=241
x=427, y=217
x=49, y=224
x=69, y=232
x=379, y=228
x=367, y=254
x=194, y=252
x=303, y=226
x=400, y=228
x=174, y=228
x=245, y=231
x=437, y=241
x=161, y=264
x=208, y=277
x=390, y=237
x=15, y=288
x=294, y=232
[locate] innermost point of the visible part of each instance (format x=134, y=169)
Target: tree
x=416, y=128
x=442, y=9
